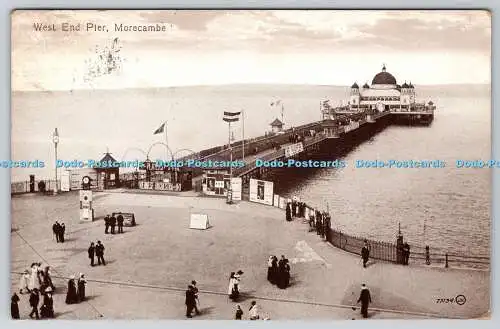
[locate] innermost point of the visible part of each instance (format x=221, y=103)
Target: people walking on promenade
x=24, y=282
x=239, y=313
x=119, y=221
x=365, y=299
x=14, y=307
x=197, y=301
x=91, y=252
x=288, y=212
x=34, y=300
x=99, y=252
x=46, y=280
x=365, y=253
x=81, y=287
x=112, y=223
x=62, y=232
x=253, y=312
x=56, y=228
x=71, y=295
x=190, y=301
x=47, y=309
x=406, y=253
x=106, y=224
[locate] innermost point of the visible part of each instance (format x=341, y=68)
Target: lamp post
x=55, y=139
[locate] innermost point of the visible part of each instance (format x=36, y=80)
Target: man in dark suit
x=91, y=252
x=56, y=228
x=62, y=232
x=365, y=253
x=365, y=299
x=34, y=300
x=106, y=224
x=190, y=301
x=99, y=252
x=119, y=220
x=112, y=223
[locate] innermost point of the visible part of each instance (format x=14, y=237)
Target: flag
x=160, y=130
x=231, y=116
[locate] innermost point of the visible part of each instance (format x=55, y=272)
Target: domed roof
x=410, y=86
x=366, y=86
x=355, y=86
x=384, y=78
x=405, y=85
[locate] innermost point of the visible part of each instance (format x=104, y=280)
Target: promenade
x=149, y=266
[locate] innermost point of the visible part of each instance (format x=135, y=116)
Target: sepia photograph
x=250, y=164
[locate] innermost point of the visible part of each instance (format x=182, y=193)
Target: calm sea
x=447, y=208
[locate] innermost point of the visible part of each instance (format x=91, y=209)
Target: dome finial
x=383, y=67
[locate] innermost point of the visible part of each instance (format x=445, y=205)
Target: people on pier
x=239, y=313
x=106, y=224
x=365, y=299
x=311, y=221
x=34, y=281
x=46, y=280
x=327, y=227
x=288, y=212
x=14, y=307
x=62, y=232
x=24, y=282
x=190, y=301
x=234, y=289
x=294, y=208
x=112, y=223
x=119, y=221
x=283, y=273
x=99, y=252
x=56, y=229
x=197, y=301
x=365, y=253
x=253, y=312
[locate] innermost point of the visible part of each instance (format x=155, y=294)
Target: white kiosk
x=86, y=210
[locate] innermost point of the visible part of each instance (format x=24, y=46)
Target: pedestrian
x=34, y=300
x=274, y=271
x=286, y=274
x=62, y=231
x=47, y=309
x=33, y=279
x=328, y=227
x=197, y=301
x=47, y=279
x=91, y=252
x=81, y=287
x=119, y=220
x=71, y=296
x=239, y=313
x=406, y=253
x=365, y=299
x=190, y=301
x=55, y=229
x=106, y=224
x=365, y=253
x=14, y=307
x=281, y=281
x=311, y=221
x=112, y=223
x=253, y=311
x=230, y=289
x=24, y=282
x=270, y=269
x=294, y=208
x=99, y=252
x=288, y=212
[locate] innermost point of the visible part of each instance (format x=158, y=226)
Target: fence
x=387, y=251
x=26, y=187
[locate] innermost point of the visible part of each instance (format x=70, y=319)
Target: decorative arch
x=132, y=149
x=159, y=143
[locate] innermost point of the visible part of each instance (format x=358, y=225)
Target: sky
x=316, y=47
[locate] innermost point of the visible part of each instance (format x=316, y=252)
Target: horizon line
x=231, y=84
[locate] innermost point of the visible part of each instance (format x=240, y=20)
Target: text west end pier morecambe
x=94, y=27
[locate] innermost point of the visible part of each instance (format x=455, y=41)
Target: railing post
x=446, y=261
x=427, y=256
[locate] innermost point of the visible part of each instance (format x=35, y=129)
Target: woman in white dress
x=24, y=282
x=231, y=285
x=33, y=280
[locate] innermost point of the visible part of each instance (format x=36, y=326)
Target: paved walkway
x=151, y=264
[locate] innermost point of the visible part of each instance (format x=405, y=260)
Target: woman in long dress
x=47, y=309
x=71, y=296
x=231, y=285
x=33, y=280
x=288, y=212
x=24, y=282
x=81, y=287
x=270, y=269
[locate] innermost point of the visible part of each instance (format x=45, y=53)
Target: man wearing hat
x=365, y=299
x=190, y=301
x=99, y=252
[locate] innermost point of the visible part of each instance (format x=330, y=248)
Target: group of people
x=278, y=272
x=112, y=222
x=253, y=312
x=38, y=283
x=59, y=230
x=321, y=222
x=192, y=300
x=96, y=251
x=295, y=209
x=234, y=285
x=76, y=290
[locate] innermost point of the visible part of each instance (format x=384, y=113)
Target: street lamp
x=55, y=139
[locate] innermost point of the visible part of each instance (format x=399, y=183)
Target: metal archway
x=133, y=149
x=160, y=143
x=191, y=152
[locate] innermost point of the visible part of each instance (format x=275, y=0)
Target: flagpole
x=243, y=133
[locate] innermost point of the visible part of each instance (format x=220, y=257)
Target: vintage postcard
x=251, y=165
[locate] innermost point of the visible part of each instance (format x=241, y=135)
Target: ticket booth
x=108, y=178
x=216, y=182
